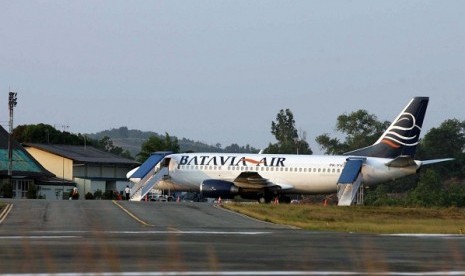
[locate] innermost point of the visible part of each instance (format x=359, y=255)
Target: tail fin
x=402, y=136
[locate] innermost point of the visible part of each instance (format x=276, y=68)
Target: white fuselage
x=306, y=174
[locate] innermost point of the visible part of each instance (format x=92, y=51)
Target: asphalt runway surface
x=155, y=238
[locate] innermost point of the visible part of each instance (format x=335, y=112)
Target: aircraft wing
x=434, y=161
x=253, y=180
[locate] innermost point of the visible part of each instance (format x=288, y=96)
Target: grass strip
x=361, y=219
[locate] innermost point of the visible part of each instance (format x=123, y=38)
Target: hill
x=132, y=140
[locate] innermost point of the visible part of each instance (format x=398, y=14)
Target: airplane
x=264, y=177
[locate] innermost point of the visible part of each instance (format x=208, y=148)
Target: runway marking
x=193, y=232
x=132, y=215
x=253, y=273
x=419, y=235
x=36, y=237
x=196, y=232
x=5, y=212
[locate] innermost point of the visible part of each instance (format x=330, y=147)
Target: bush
x=108, y=195
x=7, y=190
x=89, y=195
x=31, y=192
x=428, y=192
x=98, y=194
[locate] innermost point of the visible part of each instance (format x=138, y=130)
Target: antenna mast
x=12, y=101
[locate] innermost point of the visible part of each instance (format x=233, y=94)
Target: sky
x=220, y=71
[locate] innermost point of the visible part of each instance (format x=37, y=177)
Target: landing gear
x=264, y=198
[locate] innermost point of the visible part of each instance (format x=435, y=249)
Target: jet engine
x=214, y=188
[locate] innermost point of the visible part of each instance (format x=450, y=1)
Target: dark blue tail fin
x=402, y=136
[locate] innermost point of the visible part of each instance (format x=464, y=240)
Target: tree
x=235, y=148
x=107, y=145
x=361, y=128
x=47, y=134
x=447, y=140
x=156, y=143
x=434, y=143
x=287, y=136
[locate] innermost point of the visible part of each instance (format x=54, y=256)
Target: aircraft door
x=169, y=163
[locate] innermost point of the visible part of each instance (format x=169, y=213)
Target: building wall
x=60, y=166
x=89, y=186
x=89, y=177
x=53, y=191
x=92, y=170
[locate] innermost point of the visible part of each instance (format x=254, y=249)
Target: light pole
x=12, y=101
x=63, y=167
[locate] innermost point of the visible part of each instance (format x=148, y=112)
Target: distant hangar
x=89, y=168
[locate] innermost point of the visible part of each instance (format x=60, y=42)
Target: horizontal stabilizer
x=401, y=161
x=434, y=161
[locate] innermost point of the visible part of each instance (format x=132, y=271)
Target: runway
x=153, y=238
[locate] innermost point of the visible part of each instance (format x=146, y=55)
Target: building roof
x=23, y=163
x=84, y=154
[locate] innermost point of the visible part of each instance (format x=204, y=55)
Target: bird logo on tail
x=405, y=132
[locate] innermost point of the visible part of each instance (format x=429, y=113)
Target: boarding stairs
x=349, y=185
x=145, y=185
x=150, y=173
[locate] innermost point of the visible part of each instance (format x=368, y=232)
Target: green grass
x=360, y=219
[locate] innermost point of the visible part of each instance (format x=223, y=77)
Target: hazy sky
x=220, y=71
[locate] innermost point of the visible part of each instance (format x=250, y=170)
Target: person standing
x=74, y=194
x=127, y=191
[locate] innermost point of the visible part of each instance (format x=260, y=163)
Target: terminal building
x=90, y=169
x=56, y=169
x=25, y=171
